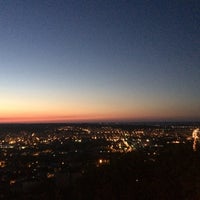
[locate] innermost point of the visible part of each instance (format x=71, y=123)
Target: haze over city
x=85, y=61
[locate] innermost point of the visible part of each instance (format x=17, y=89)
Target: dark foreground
x=173, y=174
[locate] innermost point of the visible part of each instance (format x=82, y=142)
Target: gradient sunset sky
x=95, y=60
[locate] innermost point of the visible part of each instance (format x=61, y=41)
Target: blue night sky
x=99, y=60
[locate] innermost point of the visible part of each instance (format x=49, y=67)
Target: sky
x=86, y=60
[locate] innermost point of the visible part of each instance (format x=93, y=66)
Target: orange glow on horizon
x=38, y=118
x=60, y=113
x=70, y=117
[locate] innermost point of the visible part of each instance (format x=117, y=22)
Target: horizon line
x=107, y=122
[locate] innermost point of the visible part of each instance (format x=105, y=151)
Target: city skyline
x=89, y=61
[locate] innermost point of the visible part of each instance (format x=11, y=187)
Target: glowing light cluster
x=195, y=136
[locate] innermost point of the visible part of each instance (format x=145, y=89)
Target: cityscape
x=99, y=100
x=35, y=156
